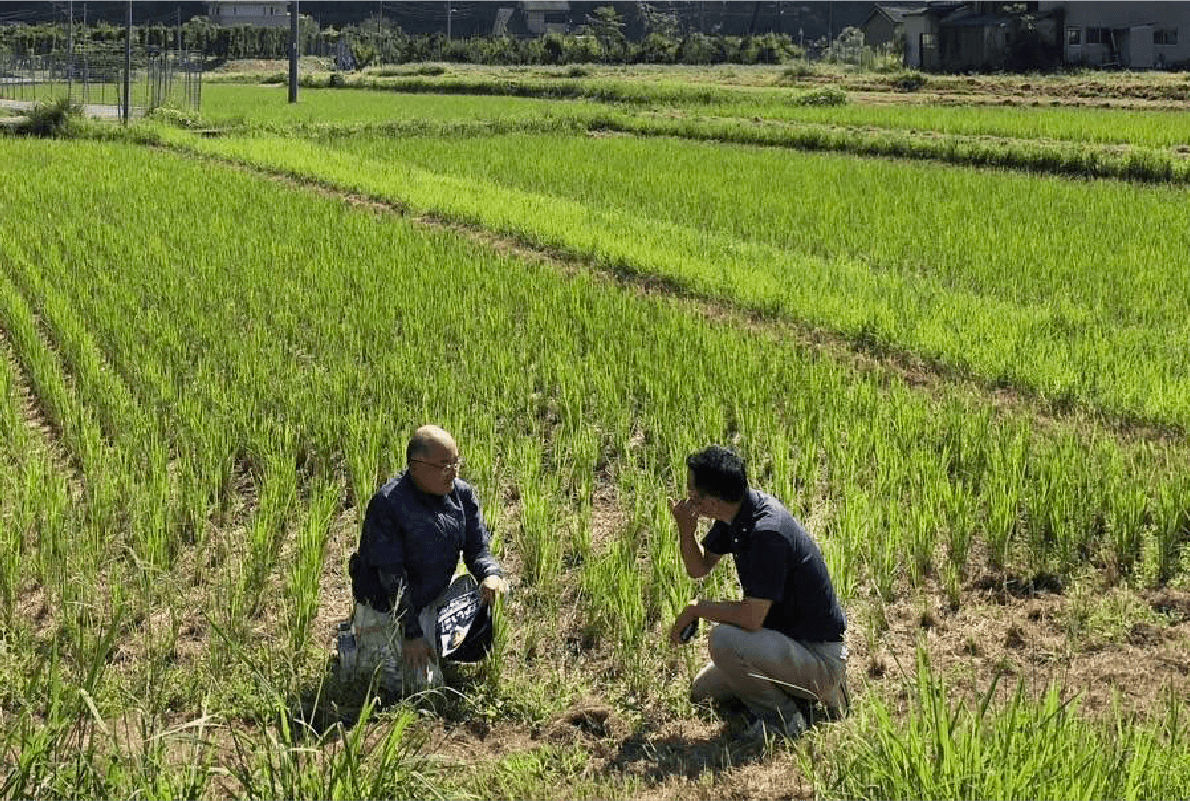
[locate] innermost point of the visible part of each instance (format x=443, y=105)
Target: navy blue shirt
x=412, y=539
x=778, y=561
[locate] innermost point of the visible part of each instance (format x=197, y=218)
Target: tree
x=608, y=28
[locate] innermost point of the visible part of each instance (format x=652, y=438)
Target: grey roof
x=896, y=13
x=978, y=21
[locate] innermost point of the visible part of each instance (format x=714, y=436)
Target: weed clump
x=49, y=120
x=827, y=96
x=909, y=80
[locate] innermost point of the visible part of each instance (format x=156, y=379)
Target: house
x=534, y=19
x=263, y=15
x=546, y=17
x=885, y=25
x=1137, y=35
x=922, y=29
x=957, y=36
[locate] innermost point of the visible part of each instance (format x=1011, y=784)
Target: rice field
x=959, y=267
x=270, y=106
x=965, y=381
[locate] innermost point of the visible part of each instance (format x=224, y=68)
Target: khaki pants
x=380, y=637
x=768, y=671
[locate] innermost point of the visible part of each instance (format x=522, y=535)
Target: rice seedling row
x=278, y=387
x=1151, y=128
x=962, y=268
x=1082, y=142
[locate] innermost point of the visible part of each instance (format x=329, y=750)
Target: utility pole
x=179, y=45
x=127, y=63
x=70, y=50
x=293, y=50
x=448, y=20
x=86, y=59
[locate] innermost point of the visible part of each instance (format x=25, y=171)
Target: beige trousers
x=768, y=671
x=380, y=637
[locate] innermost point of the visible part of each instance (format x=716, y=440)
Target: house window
x=1074, y=36
x=1165, y=36
x=1098, y=35
x=927, y=40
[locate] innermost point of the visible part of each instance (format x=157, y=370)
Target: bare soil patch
x=1039, y=638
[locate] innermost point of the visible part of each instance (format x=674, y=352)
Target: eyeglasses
x=453, y=467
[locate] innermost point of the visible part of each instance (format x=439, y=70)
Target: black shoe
x=838, y=706
x=765, y=730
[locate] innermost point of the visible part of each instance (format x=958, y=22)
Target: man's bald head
x=427, y=440
x=433, y=460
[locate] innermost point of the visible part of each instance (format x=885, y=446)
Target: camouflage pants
x=380, y=637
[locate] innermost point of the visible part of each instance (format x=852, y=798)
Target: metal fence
x=94, y=78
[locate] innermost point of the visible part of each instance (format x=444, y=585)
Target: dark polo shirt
x=410, y=546
x=778, y=561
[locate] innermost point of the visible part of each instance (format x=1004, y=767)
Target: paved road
x=104, y=112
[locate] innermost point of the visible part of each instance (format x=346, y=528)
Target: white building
x=262, y=15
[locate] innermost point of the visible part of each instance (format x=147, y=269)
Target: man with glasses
x=415, y=528
x=780, y=649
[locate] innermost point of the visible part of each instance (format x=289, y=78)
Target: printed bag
x=464, y=629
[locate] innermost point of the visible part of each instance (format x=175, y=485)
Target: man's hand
x=416, y=653
x=685, y=514
x=491, y=587
x=687, y=615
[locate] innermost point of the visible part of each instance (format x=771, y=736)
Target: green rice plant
x=538, y=539
x=270, y=524
x=364, y=461
x=968, y=307
x=306, y=568
x=257, y=106
x=41, y=367
x=363, y=762
x=669, y=588
x=921, y=536
x=1172, y=521
x=614, y=592
x=1004, y=499
x=1005, y=745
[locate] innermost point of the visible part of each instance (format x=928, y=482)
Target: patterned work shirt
x=411, y=541
x=778, y=561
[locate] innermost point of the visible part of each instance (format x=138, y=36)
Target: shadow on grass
x=659, y=758
x=333, y=700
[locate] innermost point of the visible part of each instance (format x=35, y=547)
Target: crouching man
x=409, y=614
x=779, y=650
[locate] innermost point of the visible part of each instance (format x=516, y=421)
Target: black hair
x=719, y=472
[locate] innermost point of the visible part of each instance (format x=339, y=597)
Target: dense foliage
x=371, y=44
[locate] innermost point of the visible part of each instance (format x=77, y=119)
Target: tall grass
x=1004, y=745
